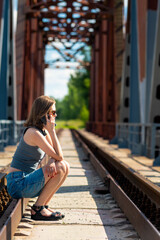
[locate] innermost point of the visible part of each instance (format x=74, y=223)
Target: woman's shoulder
x=31, y=136
x=35, y=130
x=31, y=130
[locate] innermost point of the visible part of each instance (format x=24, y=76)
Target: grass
x=75, y=124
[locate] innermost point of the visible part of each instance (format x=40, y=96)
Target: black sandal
x=39, y=216
x=60, y=214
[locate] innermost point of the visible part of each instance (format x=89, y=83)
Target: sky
x=56, y=79
x=56, y=82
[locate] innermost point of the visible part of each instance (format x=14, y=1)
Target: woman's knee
x=60, y=167
x=66, y=166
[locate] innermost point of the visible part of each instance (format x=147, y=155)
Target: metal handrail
x=142, y=139
x=10, y=132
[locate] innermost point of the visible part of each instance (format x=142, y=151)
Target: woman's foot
x=45, y=212
x=41, y=213
x=52, y=211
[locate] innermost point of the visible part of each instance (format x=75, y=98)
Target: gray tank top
x=27, y=157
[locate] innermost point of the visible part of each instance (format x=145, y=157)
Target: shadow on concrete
x=94, y=182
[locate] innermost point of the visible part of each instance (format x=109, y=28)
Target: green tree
x=75, y=105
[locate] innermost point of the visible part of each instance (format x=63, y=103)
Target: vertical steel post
x=154, y=101
x=2, y=5
x=12, y=106
x=104, y=69
x=134, y=83
x=5, y=63
x=96, y=78
x=100, y=76
x=125, y=86
x=20, y=57
x=151, y=34
x=92, y=90
x=118, y=52
x=30, y=60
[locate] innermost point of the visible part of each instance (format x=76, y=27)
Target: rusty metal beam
x=97, y=47
x=30, y=77
x=104, y=69
x=20, y=55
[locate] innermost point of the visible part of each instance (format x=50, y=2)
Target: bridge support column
x=107, y=63
x=30, y=60
x=4, y=57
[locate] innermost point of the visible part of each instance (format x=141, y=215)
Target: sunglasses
x=52, y=112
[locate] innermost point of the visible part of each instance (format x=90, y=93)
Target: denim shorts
x=25, y=185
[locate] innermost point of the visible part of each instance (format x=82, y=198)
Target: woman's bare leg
x=66, y=166
x=51, y=186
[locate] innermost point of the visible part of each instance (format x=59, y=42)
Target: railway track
x=11, y=210
x=136, y=196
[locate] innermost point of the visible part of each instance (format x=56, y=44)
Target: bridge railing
x=142, y=139
x=10, y=132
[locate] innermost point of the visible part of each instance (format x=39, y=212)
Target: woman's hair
x=40, y=108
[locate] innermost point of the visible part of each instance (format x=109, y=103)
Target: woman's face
x=52, y=111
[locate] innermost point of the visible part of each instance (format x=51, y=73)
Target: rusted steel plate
x=142, y=28
x=144, y=227
x=145, y=185
x=11, y=218
x=12, y=221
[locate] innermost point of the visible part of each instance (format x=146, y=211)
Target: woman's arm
x=52, y=137
x=53, y=140
x=41, y=142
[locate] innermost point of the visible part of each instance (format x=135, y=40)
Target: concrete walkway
x=87, y=215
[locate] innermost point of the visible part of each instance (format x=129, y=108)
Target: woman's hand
x=50, y=169
x=50, y=126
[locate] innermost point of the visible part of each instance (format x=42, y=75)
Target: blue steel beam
x=134, y=79
x=154, y=112
x=151, y=32
x=125, y=85
x=4, y=60
x=154, y=106
x=1, y=27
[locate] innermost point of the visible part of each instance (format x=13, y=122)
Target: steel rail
x=14, y=212
x=143, y=226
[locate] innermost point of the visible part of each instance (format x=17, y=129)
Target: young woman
x=26, y=177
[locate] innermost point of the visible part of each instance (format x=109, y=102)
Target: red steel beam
x=104, y=68
x=97, y=46
x=20, y=55
x=30, y=61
